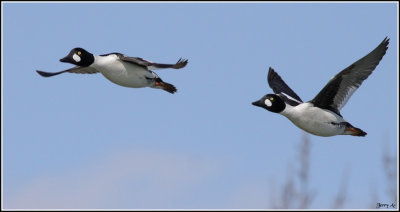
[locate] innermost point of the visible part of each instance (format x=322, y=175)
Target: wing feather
x=279, y=86
x=151, y=65
x=76, y=69
x=340, y=88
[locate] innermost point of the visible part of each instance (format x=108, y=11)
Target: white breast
x=122, y=73
x=314, y=120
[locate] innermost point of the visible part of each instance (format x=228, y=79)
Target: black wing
x=151, y=65
x=279, y=86
x=76, y=69
x=340, y=88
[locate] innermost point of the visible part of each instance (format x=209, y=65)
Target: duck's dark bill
x=257, y=103
x=66, y=60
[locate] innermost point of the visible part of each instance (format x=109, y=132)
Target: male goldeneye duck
x=321, y=116
x=120, y=69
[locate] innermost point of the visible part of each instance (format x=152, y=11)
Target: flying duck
x=120, y=69
x=321, y=116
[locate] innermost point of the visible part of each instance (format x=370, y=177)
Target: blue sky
x=81, y=142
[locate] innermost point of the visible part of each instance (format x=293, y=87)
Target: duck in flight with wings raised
x=321, y=115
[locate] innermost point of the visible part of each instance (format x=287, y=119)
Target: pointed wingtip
x=385, y=42
x=47, y=74
x=387, y=39
x=181, y=63
x=43, y=74
x=271, y=74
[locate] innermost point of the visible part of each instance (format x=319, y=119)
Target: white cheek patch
x=268, y=102
x=76, y=58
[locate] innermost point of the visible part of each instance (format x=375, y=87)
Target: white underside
x=314, y=120
x=124, y=74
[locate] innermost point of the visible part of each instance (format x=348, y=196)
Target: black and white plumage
x=120, y=69
x=321, y=115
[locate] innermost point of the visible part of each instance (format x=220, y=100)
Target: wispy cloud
x=125, y=179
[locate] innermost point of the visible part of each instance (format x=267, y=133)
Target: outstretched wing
x=151, y=65
x=76, y=69
x=279, y=86
x=340, y=88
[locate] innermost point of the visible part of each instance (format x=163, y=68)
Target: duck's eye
x=271, y=98
x=79, y=53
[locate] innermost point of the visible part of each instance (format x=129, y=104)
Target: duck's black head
x=79, y=57
x=271, y=102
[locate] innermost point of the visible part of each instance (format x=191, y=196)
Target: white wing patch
x=341, y=100
x=152, y=68
x=291, y=98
